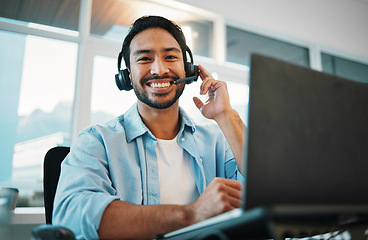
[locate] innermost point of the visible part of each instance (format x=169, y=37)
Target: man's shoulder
x=121, y=122
x=114, y=124
x=128, y=126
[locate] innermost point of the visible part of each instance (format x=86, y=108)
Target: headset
x=123, y=81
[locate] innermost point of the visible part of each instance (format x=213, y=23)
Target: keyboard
x=206, y=223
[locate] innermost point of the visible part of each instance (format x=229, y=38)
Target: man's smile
x=157, y=82
x=160, y=85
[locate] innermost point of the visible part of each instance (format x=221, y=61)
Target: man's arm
x=123, y=220
x=218, y=108
x=233, y=129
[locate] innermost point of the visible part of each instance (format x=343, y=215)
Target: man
x=153, y=170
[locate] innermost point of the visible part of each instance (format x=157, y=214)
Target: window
x=107, y=101
x=344, y=68
x=37, y=87
x=241, y=44
x=239, y=98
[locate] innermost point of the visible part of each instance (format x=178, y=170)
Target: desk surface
x=28, y=215
x=22, y=222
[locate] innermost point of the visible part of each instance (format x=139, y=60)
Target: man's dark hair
x=147, y=22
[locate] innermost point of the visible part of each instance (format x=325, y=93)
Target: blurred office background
x=58, y=61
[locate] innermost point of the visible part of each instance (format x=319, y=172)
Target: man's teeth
x=159, y=85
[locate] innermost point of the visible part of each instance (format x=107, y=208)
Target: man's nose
x=159, y=67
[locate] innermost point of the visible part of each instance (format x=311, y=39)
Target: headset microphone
x=187, y=80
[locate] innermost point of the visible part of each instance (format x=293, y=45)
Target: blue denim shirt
x=118, y=161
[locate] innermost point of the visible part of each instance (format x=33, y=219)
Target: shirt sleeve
x=84, y=188
x=231, y=167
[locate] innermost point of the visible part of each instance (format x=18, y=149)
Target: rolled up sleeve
x=84, y=188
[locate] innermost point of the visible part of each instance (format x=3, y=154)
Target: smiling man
x=153, y=169
x=156, y=64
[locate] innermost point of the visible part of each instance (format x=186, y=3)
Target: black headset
x=123, y=81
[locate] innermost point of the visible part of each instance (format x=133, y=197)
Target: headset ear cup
x=122, y=80
x=118, y=80
x=189, y=69
x=127, y=83
x=195, y=70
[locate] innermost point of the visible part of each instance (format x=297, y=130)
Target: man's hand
x=124, y=220
x=218, y=108
x=220, y=196
x=218, y=102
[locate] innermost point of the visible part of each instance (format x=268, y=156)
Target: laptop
x=306, y=153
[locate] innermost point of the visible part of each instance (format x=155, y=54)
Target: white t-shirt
x=177, y=184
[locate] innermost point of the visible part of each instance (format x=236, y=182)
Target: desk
x=28, y=215
x=285, y=222
x=23, y=221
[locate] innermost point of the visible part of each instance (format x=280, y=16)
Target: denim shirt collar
x=134, y=126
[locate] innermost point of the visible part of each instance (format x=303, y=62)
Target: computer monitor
x=307, y=137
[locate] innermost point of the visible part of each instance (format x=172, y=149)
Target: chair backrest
x=51, y=173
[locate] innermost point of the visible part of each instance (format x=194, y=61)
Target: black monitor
x=307, y=137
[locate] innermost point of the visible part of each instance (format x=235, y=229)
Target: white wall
x=341, y=25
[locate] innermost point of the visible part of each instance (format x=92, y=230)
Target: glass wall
x=241, y=44
x=12, y=47
x=37, y=77
x=106, y=100
x=345, y=68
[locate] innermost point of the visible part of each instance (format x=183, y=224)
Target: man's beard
x=143, y=97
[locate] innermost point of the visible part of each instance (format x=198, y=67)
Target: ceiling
x=63, y=14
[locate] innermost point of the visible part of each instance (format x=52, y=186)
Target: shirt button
x=182, y=139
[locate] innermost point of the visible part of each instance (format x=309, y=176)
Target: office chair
x=51, y=173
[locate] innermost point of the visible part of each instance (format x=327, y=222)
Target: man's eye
x=171, y=57
x=143, y=59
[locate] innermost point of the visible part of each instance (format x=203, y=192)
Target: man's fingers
x=199, y=104
x=229, y=182
x=230, y=198
x=235, y=202
x=205, y=86
x=233, y=192
x=207, y=80
x=232, y=189
x=220, y=196
x=203, y=73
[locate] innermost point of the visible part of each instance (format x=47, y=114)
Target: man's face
x=156, y=60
